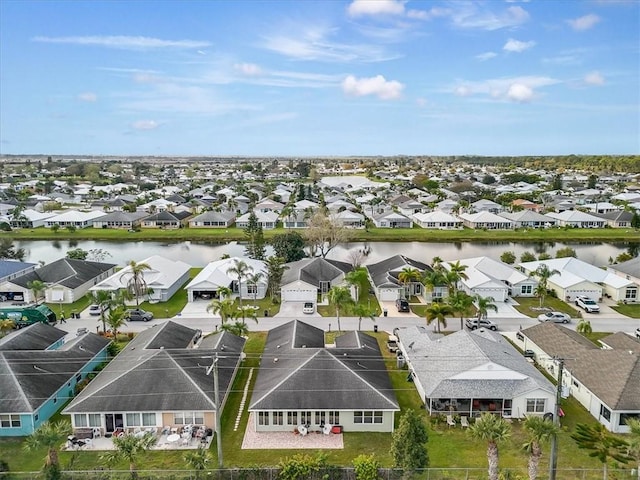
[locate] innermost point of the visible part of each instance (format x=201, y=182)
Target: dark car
x=402, y=305
x=138, y=315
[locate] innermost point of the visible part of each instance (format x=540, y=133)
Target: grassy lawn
x=367, y=299
x=630, y=310
x=67, y=308
x=528, y=304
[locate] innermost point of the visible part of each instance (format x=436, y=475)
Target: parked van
x=30, y=314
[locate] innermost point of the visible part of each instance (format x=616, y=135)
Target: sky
x=319, y=78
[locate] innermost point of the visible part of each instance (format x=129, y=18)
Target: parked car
x=94, y=310
x=587, y=304
x=555, y=317
x=137, y=314
x=473, y=323
x=402, y=304
x=638, y=333
x=308, y=307
x=529, y=354
x=392, y=343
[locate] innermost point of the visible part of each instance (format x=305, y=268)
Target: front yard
x=530, y=306
x=629, y=310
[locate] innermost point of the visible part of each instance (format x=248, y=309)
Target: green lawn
x=68, y=308
x=367, y=299
x=528, y=304
x=630, y=310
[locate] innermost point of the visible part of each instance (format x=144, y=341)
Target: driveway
x=294, y=309
x=506, y=310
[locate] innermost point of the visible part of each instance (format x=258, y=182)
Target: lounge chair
x=450, y=421
x=464, y=422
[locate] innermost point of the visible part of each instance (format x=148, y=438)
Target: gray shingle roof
x=68, y=272
x=314, y=270
x=386, y=272
x=38, y=336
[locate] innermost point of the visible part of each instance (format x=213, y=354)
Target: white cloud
x=468, y=16
x=517, y=46
x=520, y=93
x=249, y=69
x=359, y=8
x=124, y=42
x=378, y=86
x=486, y=56
x=88, y=97
x=584, y=23
x=594, y=78
x=145, y=125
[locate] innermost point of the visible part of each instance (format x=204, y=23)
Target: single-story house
x=212, y=219
x=629, y=270
x=524, y=204
x=469, y=373
x=437, y=219
x=216, y=274
x=158, y=205
x=302, y=383
x=163, y=278
x=31, y=219
x=349, y=219
x=385, y=281
x=606, y=381
x=268, y=205
x=39, y=373
x=529, y=219
x=304, y=279
x=391, y=219
x=485, y=219
x=484, y=205
x=66, y=280
x=267, y=220
x=617, y=218
x=10, y=269
x=295, y=219
x=159, y=380
x=447, y=205
x=166, y=219
x=121, y=219
x=576, y=218
x=73, y=218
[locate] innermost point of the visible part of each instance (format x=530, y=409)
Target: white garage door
x=299, y=295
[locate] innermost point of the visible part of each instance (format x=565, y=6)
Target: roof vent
x=275, y=360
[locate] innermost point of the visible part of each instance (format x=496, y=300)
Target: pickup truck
x=392, y=343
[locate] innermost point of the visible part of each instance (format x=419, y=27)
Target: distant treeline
x=594, y=163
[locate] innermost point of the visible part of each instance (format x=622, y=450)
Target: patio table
x=174, y=437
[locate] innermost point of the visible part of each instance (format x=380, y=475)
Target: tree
x=6, y=325
x=225, y=307
x=408, y=275
x=635, y=220
x=103, y=299
x=275, y=271
x=340, y=299
x=437, y=312
x=198, y=460
x=239, y=328
x=365, y=467
x=254, y=279
x=240, y=269
x=77, y=254
x=129, y=448
x=50, y=436
x=634, y=441
x=37, y=287
x=116, y=320
x=566, y=252
x=359, y=310
x=289, y=246
x=556, y=183
x=493, y=429
x=55, y=228
x=539, y=431
x=483, y=305
x=527, y=257
x=408, y=443
x=324, y=234
x=136, y=284
x=543, y=272
x=460, y=302
x=453, y=275
x=255, y=238
x=9, y=252
x=508, y=257
x=359, y=278
x=584, y=327
x=433, y=279
x=603, y=445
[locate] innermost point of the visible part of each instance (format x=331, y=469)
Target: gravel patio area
x=287, y=440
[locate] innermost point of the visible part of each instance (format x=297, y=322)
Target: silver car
x=555, y=317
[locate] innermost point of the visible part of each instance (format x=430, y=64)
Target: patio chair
x=464, y=422
x=450, y=421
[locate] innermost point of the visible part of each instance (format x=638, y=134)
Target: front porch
x=472, y=407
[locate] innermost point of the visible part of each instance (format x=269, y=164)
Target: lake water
x=198, y=254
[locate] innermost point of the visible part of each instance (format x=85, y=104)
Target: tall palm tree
x=361, y=311
x=241, y=270
x=493, y=429
x=238, y=328
x=116, y=319
x=584, y=327
x=359, y=278
x=438, y=312
x=129, y=448
x=543, y=272
x=433, y=279
x=539, y=430
x=254, y=279
x=455, y=273
x=603, y=445
x=37, y=287
x=460, y=302
x=225, y=307
x=340, y=298
x=103, y=299
x=483, y=305
x=136, y=284
x=50, y=436
x=408, y=275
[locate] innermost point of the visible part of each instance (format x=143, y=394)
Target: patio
x=166, y=441
x=288, y=440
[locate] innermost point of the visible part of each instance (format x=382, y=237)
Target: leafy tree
x=635, y=220
x=584, y=327
x=603, y=445
x=460, y=302
x=365, y=467
x=71, y=228
x=438, y=312
x=289, y=246
x=136, y=283
x=241, y=270
x=198, y=460
x=623, y=257
x=275, y=270
x=539, y=431
x=433, y=279
x=566, y=252
x=255, y=238
x=408, y=443
x=55, y=228
x=527, y=257
x=483, y=305
x=544, y=256
x=340, y=299
x=493, y=429
x=556, y=183
x=254, y=279
x=38, y=287
x=592, y=181
x=77, y=254
x=9, y=252
x=508, y=257
x=359, y=278
x=324, y=234
x=129, y=448
x=454, y=274
x=301, y=466
x=50, y=436
x=223, y=305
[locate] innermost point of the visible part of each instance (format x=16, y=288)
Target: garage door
x=299, y=295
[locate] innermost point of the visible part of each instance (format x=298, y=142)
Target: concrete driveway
x=294, y=309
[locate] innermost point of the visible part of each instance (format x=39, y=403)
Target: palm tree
x=241, y=270
x=493, y=429
x=136, y=284
x=433, y=279
x=408, y=275
x=483, y=305
x=103, y=299
x=340, y=298
x=540, y=430
x=254, y=279
x=634, y=441
x=357, y=277
x=225, y=307
x=198, y=460
x=438, y=312
x=129, y=448
x=361, y=311
x=6, y=325
x=543, y=273
x=460, y=302
x=275, y=269
x=37, y=287
x=454, y=274
x=603, y=445
x=116, y=320
x=541, y=292
x=584, y=327
x=50, y=436
x=237, y=328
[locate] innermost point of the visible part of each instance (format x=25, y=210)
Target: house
x=606, y=381
x=524, y=204
x=349, y=219
x=166, y=219
x=121, y=219
x=529, y=219
x=304, y=279
x=158, y=205
x=267, y=220
x=600, y=208
x=484, y=205
x=163, y=278
x=301, y=382
x=73, y=218
x=39, y=373
x=391, y=219
x=437, y=219
x=487, y=220
x=616, y=218
x=212, y=219
x=384, y=278
x=490, y=278
x=10, y=269
x=410, y=207
x=31, y=219
x=296, y=219
x=216, y=274
x=159, y=380
x=447, y=205
x=578, y=219
x=576, y=277
x=66, y=280
x=306, y=205
x=268, y=205
x=472, y=372
x=629, y=270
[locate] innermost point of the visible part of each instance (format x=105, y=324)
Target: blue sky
x=304, y=78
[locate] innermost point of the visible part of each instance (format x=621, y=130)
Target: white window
x=95, y=420
x=292, y=418
x=80, y=420
x=526, y=289
x=278, y=418
x=334, y=418
x=263, y=418
x=252, y=289
x=10, y=421
x=133, y=420
x=305, y=417
x=149, y=419
x=187, y=418
x=536, y=405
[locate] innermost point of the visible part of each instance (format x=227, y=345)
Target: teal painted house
x=39, y=372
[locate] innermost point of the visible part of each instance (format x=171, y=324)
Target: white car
x=555, y=317
x=308, y=307
x=587, y=304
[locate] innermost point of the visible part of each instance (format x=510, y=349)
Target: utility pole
x=216, y=393
x=553, y=459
